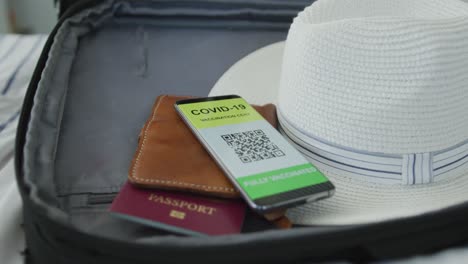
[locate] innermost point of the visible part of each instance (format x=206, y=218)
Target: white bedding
x=18, y=57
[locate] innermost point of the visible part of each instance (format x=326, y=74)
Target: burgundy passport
x=178, y=212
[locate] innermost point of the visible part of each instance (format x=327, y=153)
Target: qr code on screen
x=252, y=146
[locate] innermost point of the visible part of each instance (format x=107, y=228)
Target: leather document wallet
x=170, y=157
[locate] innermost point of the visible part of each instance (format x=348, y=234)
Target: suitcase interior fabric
x=106, y=66
x=105, y=69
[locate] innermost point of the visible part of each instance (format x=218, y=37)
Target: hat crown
x=390, y=78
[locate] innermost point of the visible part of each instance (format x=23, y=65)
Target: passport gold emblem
x=177, y=214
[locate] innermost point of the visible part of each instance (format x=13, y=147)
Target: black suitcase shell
x=65, y=218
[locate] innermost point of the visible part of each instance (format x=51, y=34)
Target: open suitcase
x=98, y=76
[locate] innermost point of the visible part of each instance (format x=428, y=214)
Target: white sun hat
x=375, y=94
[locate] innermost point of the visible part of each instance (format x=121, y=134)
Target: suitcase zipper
x=99, y=199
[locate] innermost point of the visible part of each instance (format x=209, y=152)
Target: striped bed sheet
x=18, y=58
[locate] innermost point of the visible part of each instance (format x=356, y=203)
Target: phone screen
x=252, y=153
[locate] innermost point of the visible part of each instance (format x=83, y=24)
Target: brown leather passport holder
x=170, y=157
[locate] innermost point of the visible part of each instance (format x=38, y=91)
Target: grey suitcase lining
x=105, y=69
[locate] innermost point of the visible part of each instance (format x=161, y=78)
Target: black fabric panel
x=51, y=242
x=66, y=4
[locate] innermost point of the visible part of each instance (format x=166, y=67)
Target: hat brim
x=256, y=78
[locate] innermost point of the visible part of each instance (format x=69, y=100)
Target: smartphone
x=269, y=173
